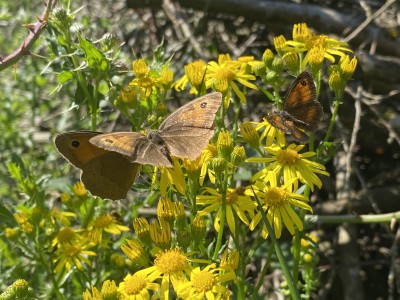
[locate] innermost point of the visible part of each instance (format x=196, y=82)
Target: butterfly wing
x=285, y=123
x=76, y=148
x=104, y=173
x=110, y=176
x=300, y=103
x=135, y=145
x=188, y=130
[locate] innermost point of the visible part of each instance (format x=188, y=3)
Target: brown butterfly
x=111, y=161
x=104, y=173
x=300, y=109
x=184, y=134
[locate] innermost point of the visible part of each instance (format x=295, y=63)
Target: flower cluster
x=247, y=187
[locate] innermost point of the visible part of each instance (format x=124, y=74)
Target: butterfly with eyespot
x=300, y=111
x=111, y=161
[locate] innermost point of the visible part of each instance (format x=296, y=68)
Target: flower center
x=65, y=235
x=231, y=198
x=103, y=221
x=135, y=284
x=203, y=281
x=72, y=251
x=275, y=196
x=224, y=74
x=288, y=157
x=171, y=261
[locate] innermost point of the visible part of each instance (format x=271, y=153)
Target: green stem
x=90, y=212
x=49, y=271
x=282, y=260
x=263, y=273
x=336, y=102
x=356, y=219
x=222, y=216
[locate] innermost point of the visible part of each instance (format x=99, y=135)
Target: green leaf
x=65, y=76
x=94, y=57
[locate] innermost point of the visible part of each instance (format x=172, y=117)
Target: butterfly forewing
x=187, y=143
x=300, y=109
x=300, y=102
x=198, y=113
x=74, y=147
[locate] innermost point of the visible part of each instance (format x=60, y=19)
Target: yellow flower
x=250, y=134
x=68, y=256
x=292, y=165
x=135, y=252
x=206, y=284
x=270, y=133
x=104, y=223
x=238, y=155
x=198, y=228
x=277, y=203
x=166, y=210
x=170, y=177
x=347, y=67
x=166, y=78
x=237, y=205
x=24, y=222
x=129, y=95
x=221, y=76
x=225, y=145
x=142, y=230
x=230, y=259
x=317, y=46
x=173, y=266
x=208, y=154
x=292, y=61
x=160, y=233
x=194, y=73
x=11, y=233
x=66, y=235
x=61, y=216
x=79, y=189
x=94, y=295
x=140, y=68
x=138, y=286
x=109, y=290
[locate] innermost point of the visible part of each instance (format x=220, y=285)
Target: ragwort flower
x=292, y=165
x=277, y=202
x=138, y=286
x=221, y=76
x=236, y=205
x=206, y=283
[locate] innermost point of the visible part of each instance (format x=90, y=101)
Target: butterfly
x=111, y=161
x=184, y=134
x=300, y=111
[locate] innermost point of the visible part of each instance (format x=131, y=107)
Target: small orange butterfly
x=300, y=111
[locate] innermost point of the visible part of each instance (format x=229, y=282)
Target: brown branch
x=275, y=14
x=34, y=33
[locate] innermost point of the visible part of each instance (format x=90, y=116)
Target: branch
x=34, y=33
x=276, y=14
